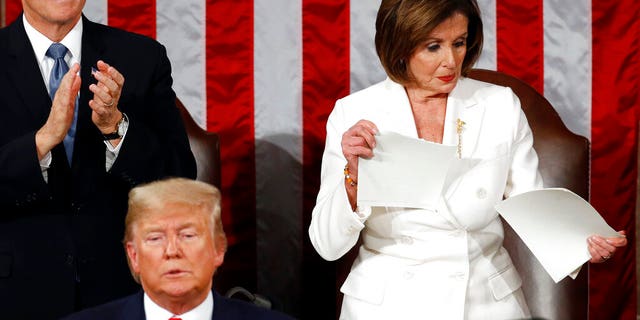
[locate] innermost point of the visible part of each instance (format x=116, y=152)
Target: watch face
x=121, y=128
x=121, y=125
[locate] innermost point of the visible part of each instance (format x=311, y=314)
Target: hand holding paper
x=602, y=249
x=555, y=224
x=357, y=142
x=404, y=172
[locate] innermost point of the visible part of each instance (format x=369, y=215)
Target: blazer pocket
x=505, y=282
x=368, y=289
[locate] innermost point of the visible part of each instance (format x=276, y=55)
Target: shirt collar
x=40, y=43
x=203, y=311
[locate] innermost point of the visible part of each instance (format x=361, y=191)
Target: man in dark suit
x=72, y=145
x=175, y=242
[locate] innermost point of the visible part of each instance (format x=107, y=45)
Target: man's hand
x=106, y=94
x=61, y=114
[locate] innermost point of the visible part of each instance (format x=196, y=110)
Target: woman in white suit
x=447, y=263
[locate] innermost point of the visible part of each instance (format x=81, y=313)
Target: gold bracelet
x=347, y=176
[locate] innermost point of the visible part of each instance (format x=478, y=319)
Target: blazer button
x=481, y=193
x=406, y=240
x=68, y=259
x=457, y=233
x=408, y=275
x=349, y=230
x=75, y=208
x=458, y=275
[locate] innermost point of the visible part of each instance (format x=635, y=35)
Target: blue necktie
x=57, y=51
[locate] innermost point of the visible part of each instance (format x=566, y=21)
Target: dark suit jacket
x=61, y=241
x=132, y=308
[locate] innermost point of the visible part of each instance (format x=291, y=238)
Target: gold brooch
x=459, y=128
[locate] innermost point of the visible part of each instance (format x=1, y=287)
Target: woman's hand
x=602, y=249
x=358, y=141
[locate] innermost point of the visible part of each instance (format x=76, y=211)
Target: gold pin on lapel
x=459, y=128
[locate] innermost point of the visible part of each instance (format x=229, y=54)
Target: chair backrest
x=206, y=150
x=205, y=147
x=564, y=162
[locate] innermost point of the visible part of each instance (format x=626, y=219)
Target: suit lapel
x=396, y=106
x=463, y=106
x=91, y=52
x=460, y=105
x=221, y=309
x=26, y=75
x=88, y=154
x=133, y=308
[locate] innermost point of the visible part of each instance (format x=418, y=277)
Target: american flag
x=264, y=74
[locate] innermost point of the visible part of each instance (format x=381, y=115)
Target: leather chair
x=564, y=162
x=205, y=147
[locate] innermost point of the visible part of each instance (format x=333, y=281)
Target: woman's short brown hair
x=403, y=25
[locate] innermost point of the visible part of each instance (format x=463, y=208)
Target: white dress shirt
x=203, y=311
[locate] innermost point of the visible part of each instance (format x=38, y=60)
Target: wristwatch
x=119, y=132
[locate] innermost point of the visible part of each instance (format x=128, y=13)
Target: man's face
x=175, y=254
x=53, y=12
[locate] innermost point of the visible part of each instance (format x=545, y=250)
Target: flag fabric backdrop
x=264, y=75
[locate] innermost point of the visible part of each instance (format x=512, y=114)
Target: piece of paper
x=555, y=224
x=404, y=172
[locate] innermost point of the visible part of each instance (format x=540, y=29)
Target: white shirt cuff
x=363, y=213
x=45, y=163
x=112, y=152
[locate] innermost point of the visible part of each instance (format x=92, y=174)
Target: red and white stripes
x=264, y=74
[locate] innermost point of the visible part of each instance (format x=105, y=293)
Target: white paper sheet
x=555, y=224
x=404, y=172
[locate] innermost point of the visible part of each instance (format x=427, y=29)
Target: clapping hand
x=106, y=95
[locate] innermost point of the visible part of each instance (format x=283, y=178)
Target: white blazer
x=448, y=263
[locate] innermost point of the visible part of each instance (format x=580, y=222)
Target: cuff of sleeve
x=125, y=127
x=353, y=220
x=363, y=213
x=45, y=162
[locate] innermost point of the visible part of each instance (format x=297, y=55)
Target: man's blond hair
x=152, y=199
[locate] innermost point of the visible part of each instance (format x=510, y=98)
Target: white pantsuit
x=446, y=263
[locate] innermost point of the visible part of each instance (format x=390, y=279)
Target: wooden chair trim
x=205, y=147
